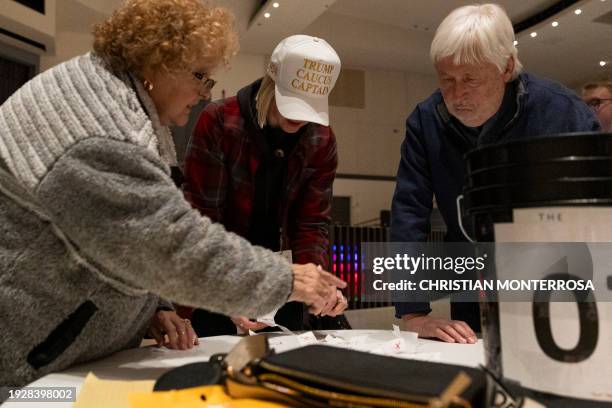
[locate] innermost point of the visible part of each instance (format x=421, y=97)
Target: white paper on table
x=283, y=343
x=162, y=357
x=411, y=339
x=329, y=339
x=402, y=342
x=269, y=320
x=395, y=346
x=359, y=343
x=307, y=338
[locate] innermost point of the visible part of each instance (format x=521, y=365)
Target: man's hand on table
x=450, y=331
x=170, y=330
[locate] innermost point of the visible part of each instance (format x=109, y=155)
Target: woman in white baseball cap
x=262, y=163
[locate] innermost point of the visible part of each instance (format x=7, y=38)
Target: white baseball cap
x=304, y=70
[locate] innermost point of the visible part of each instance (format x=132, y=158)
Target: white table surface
x=148, y=363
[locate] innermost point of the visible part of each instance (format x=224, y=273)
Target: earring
x=147, y=85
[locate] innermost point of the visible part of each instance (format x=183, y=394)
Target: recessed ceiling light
x=554, y=23
x=267, y=15
x=515, y=42
x=602, y=63
x=577, y=11
x=533, y=35
x=275, y=5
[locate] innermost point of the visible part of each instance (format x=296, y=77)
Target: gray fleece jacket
x=94, y=230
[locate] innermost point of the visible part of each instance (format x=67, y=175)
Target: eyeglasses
x=205, y=82
x=596, y=103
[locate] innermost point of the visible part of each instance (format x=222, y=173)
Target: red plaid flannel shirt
x=220, y=169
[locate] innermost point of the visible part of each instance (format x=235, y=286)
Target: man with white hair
x=483, y=98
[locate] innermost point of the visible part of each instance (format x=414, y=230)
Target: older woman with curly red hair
x=94, y=231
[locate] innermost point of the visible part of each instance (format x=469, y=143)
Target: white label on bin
x=551, y=347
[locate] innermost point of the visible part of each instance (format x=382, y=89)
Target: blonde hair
x=264, y=99
x=167, y=35
x=477, y=34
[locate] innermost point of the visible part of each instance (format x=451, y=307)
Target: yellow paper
x=198, y=397
x=108, y=393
